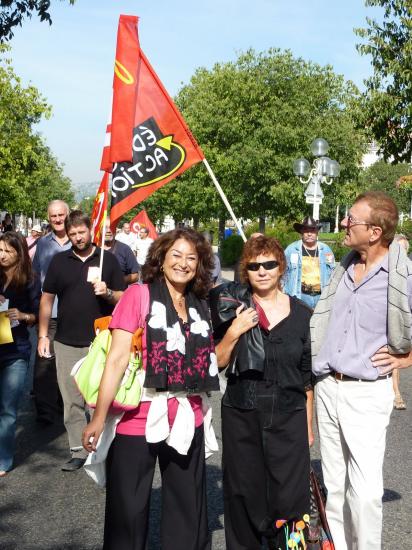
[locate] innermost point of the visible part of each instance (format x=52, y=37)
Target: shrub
x=231, y=250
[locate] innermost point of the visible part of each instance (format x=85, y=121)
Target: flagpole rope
x=224, y=199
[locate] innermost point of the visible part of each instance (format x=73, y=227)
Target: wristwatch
x=109, y=294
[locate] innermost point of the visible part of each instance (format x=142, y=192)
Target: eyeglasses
x=255, y=266
x=353, y=221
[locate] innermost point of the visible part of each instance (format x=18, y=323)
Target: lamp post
x=323, y=170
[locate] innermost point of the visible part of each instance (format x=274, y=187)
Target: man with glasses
x=361, y=331
x=309, y=264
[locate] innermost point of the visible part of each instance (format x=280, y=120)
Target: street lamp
x=323, y=170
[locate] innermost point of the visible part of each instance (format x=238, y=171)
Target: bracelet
x=43, y=337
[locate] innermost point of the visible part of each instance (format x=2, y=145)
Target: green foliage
x=30, y=175
x=13, y=12
x=253, y=117
x=231, y=250
x=406, y=229
x=382, y=176
x=388, y=100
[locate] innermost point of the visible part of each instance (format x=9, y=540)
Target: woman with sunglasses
x=264, y=342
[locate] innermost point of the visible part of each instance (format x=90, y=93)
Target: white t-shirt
x=142, y=247
x=129, y=239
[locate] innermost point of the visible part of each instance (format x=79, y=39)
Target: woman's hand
x=14, y=314
x=91, y=435
x=245, y=320
x=2, y=298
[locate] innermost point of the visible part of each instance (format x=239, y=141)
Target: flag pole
x=102, y=245
x=224, y=199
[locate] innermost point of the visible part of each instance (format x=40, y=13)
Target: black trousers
x=130, y=469
x=265, y=473
x=47, y=397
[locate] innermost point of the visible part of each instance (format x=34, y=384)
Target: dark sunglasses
x=254, y=266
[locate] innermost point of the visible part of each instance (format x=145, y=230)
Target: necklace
x=179, y=301
x=308, y=251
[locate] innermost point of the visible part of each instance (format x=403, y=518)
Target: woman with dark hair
x=19, y=301
x=171, y=421
x=267, y=406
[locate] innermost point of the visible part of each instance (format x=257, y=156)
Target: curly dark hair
x=261, y=245
x=202, y=282
x=23, y=273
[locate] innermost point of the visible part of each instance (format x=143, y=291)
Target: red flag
x=99, y=209
x=143, y=220
x=150, y=142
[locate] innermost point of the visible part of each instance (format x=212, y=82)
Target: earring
x=161, y=268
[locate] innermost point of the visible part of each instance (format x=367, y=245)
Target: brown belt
x=345, y=378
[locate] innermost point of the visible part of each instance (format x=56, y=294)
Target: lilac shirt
x=358, y=324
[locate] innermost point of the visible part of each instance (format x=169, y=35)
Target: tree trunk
x=196, y=223
x=222, y=223
x=262, y=224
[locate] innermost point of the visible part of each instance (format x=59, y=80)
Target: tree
x=13, y=12
x=389, y=178
x=29, y=173
x=388, y=98
x=253, y=117
x=47, y=182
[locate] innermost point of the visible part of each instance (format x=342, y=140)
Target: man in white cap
x=309, y=264
x=32, y=239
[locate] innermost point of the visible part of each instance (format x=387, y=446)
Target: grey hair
x=55, y=202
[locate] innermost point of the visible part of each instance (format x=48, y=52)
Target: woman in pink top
x=180, y=364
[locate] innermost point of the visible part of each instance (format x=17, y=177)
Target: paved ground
x=42, y=508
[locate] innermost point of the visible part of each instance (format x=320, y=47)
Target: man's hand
x=386, y=361
x=100, y=288
x=43, y=347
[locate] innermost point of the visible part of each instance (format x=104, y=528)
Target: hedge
x=231, y=248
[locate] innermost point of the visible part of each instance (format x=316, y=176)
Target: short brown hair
x=384, y=213
x=261, y=245
x=152, y=269
x=76, y=218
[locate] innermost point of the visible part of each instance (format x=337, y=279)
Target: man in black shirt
x=73, y=276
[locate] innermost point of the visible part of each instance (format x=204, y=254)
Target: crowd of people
x=297, y=329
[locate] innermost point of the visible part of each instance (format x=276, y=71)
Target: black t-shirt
x=125, y=257
x=78, y=305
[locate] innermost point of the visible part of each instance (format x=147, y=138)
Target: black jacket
x=249, y=353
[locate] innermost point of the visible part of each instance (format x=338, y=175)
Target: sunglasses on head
x=254, y=266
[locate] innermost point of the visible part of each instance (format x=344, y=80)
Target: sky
x=71, y=62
